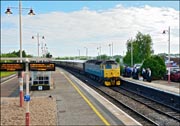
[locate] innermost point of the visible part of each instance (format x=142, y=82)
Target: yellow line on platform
x=88, y=102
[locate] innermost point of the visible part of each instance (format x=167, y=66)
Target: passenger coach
x=106, y=72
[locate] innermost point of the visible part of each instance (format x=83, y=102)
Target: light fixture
x=31, y=12
x=164, y=32
x=8, y=11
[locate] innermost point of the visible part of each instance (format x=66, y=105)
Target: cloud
x=65, y=33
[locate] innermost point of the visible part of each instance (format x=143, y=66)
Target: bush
x=157, y=66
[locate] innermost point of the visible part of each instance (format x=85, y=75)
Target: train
x=106, y=72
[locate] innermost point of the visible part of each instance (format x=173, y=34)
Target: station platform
x=77, y=104
x=172, y=87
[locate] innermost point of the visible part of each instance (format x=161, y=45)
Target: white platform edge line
x=8, y=80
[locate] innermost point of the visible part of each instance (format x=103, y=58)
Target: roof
x=73, y=61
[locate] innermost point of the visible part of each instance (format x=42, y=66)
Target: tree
x=142, y=48
x=157, y=66
x=18, y=53
x=15, y=54
x=117, y=60
x=103, y=57
x=48, y=55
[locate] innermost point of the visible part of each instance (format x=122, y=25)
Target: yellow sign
x=12, y=66
x=41, y=67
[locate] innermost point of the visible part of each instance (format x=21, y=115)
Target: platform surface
x=77, y=104
x=172, y=87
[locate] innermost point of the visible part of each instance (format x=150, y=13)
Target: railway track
x=160, y=108
x=128, y=109
x=165, y=98
x=146, y=112
x=100, y=89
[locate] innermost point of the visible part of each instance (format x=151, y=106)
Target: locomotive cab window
x=108, y=66
x=111, y=65
x=115, y=66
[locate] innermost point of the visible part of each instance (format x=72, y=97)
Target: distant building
x=174, y=62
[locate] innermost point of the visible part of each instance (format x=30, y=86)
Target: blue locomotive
x=106, y=72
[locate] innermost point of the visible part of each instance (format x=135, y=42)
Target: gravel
x=42, y=111
x=157, y=117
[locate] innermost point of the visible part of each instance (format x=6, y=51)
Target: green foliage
x=117, y=60
x=15, y=54
x=103, y=57
x=48, y=55
x=157, y=66
x=141, y=47
x=83, y=58
x=8, y=55
x=4, y=74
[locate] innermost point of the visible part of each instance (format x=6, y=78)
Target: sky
x=71, y=28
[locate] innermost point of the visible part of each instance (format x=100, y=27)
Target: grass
x=5, y=74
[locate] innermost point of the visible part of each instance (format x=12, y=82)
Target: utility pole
x=38, y=41
x=79, y=53
x=110, y=50
x=164, y=32
x=20, y=74
x=86, y=52
x=131, y=53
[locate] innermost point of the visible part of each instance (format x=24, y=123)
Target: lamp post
x=86, y=52
x=79, y=53
x=37, y=36
x=164, y=32
x=99, y=52
x=45, y=51
x=110, y=50
x=8, y=11
x=43, y=47
x=131, y=53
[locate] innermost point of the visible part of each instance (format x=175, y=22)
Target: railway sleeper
x=173, y=114
x=148, y=103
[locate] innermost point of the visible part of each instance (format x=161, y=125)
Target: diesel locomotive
x=106, y=72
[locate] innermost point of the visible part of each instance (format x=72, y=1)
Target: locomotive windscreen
x=110, y=62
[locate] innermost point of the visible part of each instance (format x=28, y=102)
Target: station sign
x=12, y=66
x=41, y=66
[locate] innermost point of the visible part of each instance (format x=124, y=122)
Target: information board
x=41, y=66
x=12, y=66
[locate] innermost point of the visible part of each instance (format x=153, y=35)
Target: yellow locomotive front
x=111, y=73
